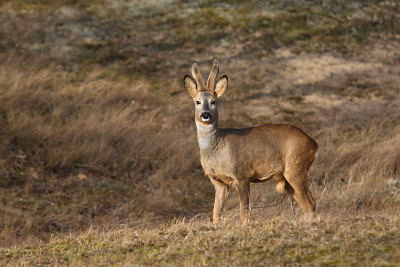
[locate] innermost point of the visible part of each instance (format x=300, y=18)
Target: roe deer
x=239, y=157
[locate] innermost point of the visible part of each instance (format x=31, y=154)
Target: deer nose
x=205, y=115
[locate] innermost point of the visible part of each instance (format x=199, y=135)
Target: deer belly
x=262, y=178
x=222, y=178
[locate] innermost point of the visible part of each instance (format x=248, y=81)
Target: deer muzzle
x=205, y=116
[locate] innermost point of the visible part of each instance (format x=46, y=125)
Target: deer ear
x=190, y=85
x=221, y=86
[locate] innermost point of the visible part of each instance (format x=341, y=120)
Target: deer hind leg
x=283, y=187
x=243, y=189
x=298, y=188
x=221, y=192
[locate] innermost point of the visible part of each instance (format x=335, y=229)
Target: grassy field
x=365, y=240
x=98, y=154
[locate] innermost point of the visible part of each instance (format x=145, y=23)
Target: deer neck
x=207, y=136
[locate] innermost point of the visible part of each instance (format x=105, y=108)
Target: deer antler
x=197, y=76
x=213, y=76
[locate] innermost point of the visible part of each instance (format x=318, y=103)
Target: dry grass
x=62, y=131
x=338, y=241
x=96, y=129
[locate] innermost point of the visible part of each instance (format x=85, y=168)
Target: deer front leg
x=221, y=192
x=243, y=189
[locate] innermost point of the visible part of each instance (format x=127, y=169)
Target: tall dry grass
x=59, y=120
x=98, y=147
x=90, y=144
x=362, y=167
x=106, y=133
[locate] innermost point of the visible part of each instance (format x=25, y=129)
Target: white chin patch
x=205, y=119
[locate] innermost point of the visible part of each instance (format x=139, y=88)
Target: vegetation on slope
x=95, y=126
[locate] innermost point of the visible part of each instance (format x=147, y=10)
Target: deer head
x=204, y=96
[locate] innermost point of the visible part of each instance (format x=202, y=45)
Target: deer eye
x=197, y=102
x=213, y=102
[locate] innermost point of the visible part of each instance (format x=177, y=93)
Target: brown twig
x=267, y=206
x=291, y=205
x=323, y=191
